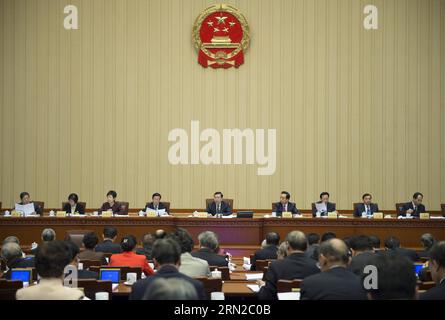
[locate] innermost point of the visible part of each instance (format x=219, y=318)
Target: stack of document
x=254, y=287
x=254, y=276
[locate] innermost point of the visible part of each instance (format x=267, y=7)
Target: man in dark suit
x=414, y=207
x=313, y=240
x=209, y=245
x=25, y=199
x=147, y=246
x=72, y=206
x=108, y=246
x=393, y=244
x=362, y=254
x=13, y=255
x=335, y=282
x=329, y=206
x=156, y=203
x=166, y=257
x=269, y=252
x=437, y=267
x=295, y=266
x=218, y=206
x=284, y=205
x=367, y=208
x=83, y=273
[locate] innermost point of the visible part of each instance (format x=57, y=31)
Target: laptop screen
x=417, y=268
x=110, y=274
x=20, y=274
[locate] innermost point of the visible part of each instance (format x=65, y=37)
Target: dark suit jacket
x=108, y=247
x=436, y=293
x=291, y=207
x=409, y=253
x=27, y=262
x=329, y=206
x=359, y=262
x=361, y=208
x=139, y=288
x=37, y=208
x=268, y=253
x=225, y=208
x=116, y=208
x=335, y=284
x=294, y=266
x=211, y=257
x=79, y=209
x=409, y=205
x=160, y=207
x=146, y=251
x=312, y=251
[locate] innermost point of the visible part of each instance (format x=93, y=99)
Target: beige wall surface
x=90, y=110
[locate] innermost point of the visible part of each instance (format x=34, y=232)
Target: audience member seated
x=269, y=252
x=170, y=289
x=375, y=241
x=147, y=244
x=436, y=264
x=166, y=257
x=13, y=256
x=313, y=240
x=362, y=254
x=295, y=266
x=427, y=240
x=191, y=266
x=335, y=282
x=395, y=278
x=83, y=273
x=129, y=258
x=282, y=251
x=160, y=234
x=208, y=248
x=51, y=260
x=393, y=244
x=11, y=239
x=327, y=236
x=90, y=241
x=48, y=235
x=108, y=246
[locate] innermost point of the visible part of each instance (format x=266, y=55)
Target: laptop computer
x=244, y=214
x=110, y=274
x=25, y=275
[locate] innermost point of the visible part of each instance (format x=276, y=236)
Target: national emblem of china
x=221, y=35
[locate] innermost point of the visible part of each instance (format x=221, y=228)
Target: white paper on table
x=288, y=295
x=254, y=276
x=228, y=217
x=321, y=207
x=247, y=267
x=437, y=217
x=27, y=209
x=246, y=260
x=254, y=287
x=114, y=286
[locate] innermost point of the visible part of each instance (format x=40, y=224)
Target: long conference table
x=239, y=236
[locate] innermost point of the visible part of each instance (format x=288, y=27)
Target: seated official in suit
x=392, y=244
x=25, y=199
x=437, y=266
x=395, y=278
x=108, y=246
x=326, y=206
x=284, y=205
x=367, y=208
x=427, y=240
x=269, y=252
x=111, y=204
x=295, y=266
x=147, y=246
x=72, y=206
x=14, y=257
x=208, y=249
x=313, y=241
x=362, y=254
x=190, y=265
x=90, y=241
x=51, y=260
x=82, y=273
x=166, y=257
x=47, y=235
x=156, y=203
x=129, y=258
x=414, y=207
x=335, y=282
x=218, y=206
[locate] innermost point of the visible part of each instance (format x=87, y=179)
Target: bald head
x=296, y=240
x=333, y=252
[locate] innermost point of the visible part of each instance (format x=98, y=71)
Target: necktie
x=219, y=207
x=285, y=207
x=368, y=212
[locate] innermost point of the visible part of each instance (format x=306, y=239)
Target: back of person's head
x=282, y=250
x=11, y=251
x=160, y=234
x=208, y=239
x=334, y=252
x=51, y=259
x=147, y=240
x=166, y=251
x=328, y=235
x=48, y=234
x=296, y=240
x=90, y=240
x=110, y=232
x=375, y=241
x=392, y=243
x=427, y=240
x=313, y=238
x=437, y=261
x=170, y=289
x=360, y=243
x=184, y=239
x=128, y=243
x=273, y=238
x=263, y=244
x=73, y=249
x=396, y=278
x=11, y=239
